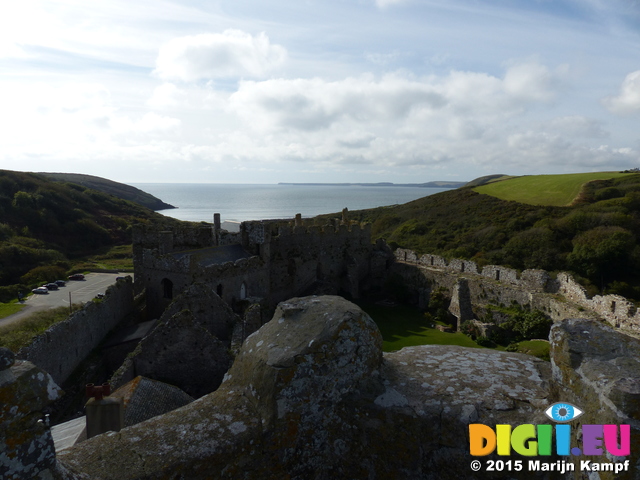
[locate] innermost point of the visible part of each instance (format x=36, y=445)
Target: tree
x=601, y=252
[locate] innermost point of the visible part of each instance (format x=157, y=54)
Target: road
x=82, y=291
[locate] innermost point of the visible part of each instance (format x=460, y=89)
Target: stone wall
x=289, y=259
x=226, y=278
x=560, y=298
x=65, y=345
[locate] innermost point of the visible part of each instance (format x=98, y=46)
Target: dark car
x=51, y=286
x=76, y=276
x=60, y=283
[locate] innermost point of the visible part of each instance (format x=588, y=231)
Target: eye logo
x=563, y=412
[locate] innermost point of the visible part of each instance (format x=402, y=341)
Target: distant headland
x=437, y=184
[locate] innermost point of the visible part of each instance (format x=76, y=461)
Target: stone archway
x=167, y=288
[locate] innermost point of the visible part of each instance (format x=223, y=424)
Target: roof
x=133, y=333
x=144, y=398
x=69, y=433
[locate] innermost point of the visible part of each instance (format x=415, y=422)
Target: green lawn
x=537, y=348
x=553, y=190
x=10, y=308
x=403, y=326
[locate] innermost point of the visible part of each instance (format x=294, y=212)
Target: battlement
x=615, y=309
x=176, y=238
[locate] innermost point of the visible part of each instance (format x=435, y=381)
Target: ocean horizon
x=197, y=202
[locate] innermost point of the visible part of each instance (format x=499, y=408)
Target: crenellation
x=532, y=287
x=411, y=257
x=297, y=255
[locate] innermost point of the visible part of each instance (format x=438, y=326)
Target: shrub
x=43, y=274
x=512, y=347
x=470, y=329
x=10, y=292
x=485, y=342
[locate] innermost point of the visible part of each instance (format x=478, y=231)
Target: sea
x=197, y=202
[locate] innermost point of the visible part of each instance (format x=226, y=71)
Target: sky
x=245, y=91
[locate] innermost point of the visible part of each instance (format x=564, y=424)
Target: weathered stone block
x=26, y=445
x=598, y=370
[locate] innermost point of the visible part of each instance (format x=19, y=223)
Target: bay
x=197, y=202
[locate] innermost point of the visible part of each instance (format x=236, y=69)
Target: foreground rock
x=26, y=445
x=310, y=396
x=598, y=369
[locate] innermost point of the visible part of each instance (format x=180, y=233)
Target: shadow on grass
x=403, y=326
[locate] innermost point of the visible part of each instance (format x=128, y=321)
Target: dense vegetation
x=46, y=224
x=120, y=190
x=596, y=237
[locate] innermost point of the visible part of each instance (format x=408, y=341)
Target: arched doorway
x=167, y=288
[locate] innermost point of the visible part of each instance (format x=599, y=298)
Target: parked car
x=76, y=276
x=100, y=295
x=60, y=283
x=51, y=286
x=40, y=290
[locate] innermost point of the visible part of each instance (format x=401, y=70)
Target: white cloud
x=392, y=101
x=533, y=81
x=166, y=95
x=628, y=99
x=576, y=126
x=388, y=3
x=404, y=121
x=232, y=53
x=148, y=123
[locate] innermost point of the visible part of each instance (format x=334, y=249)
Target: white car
x=40, y=290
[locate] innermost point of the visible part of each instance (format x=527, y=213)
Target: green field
x=537, y=348
x=402, y=326
x=552, y=190
x=10, y=308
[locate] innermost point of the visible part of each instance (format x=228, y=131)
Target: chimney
x=104, y=413
x=216, y=228
x=345, y=216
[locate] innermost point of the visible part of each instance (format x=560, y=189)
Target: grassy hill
x=556, y=190
x=596, y=237
x=120, y=190
x=45, y=226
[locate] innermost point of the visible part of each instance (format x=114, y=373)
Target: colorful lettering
x=531, y=440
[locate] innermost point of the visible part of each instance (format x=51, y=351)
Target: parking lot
x=81, y=291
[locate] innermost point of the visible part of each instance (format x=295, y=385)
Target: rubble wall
x=493, y=284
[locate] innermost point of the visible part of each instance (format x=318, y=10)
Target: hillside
x=45, y=224
x=556, y=190
x=120, y=190
x=597, y=238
